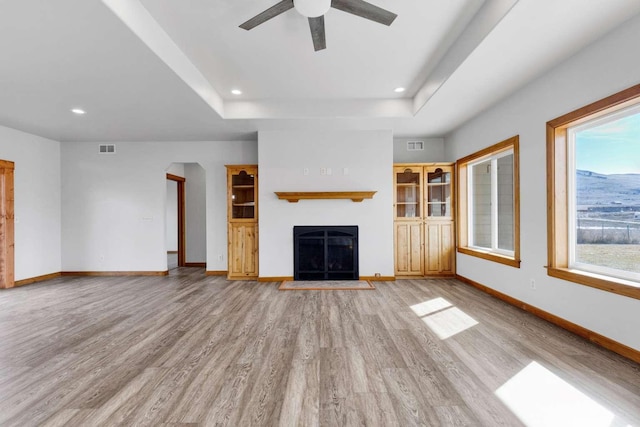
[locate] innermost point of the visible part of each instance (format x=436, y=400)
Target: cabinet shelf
x=244, y=186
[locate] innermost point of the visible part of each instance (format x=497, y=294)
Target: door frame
x=181, y=218
x=7, y=230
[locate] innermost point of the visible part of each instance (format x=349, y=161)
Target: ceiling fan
x=315, y=10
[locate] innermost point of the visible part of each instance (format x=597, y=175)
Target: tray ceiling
x=164, y=70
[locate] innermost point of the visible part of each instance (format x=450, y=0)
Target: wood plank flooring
x=195, y=350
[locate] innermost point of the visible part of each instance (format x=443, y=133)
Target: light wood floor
x=194, y=350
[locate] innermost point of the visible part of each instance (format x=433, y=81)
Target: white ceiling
x=276, y=60
x=164, y=69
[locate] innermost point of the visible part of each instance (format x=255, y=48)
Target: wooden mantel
x=294, y=197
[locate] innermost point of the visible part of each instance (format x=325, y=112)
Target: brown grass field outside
x=608, y=231
x=622, y=257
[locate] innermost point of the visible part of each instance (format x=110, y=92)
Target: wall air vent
x=415, y=145
x=107, y=149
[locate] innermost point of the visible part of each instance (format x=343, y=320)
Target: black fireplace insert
x=325, y=252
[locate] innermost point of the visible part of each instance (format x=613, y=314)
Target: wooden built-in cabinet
x=423, y=219
x=242, y=217
x=409, y=256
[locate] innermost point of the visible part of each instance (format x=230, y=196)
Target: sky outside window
x=611, y=148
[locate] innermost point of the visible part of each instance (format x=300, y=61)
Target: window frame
x=558, y=203
x=463, y=216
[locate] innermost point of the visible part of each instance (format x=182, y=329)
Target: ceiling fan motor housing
x=312, y=8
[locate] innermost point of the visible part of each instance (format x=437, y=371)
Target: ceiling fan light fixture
x=312, y=8
x=314, y=11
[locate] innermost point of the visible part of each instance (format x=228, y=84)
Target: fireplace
x=325, y=252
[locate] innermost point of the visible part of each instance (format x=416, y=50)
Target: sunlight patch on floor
x=541, y=399
x=431, y=306
x=443, y=318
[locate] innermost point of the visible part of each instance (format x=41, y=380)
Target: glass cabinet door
x=439, y=193
x=243, y=195
x=408, y=194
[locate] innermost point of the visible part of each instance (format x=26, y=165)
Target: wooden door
x=243, y=250
x=7, y=272
x=439, y=224
x=447, y=249
x=439, y=248
x=242, y=216
x=407, y=198
x=242, y=193
x=408, y=207
x=408, y=248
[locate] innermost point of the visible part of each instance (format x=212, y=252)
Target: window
x=488, y=203
x=593, y=174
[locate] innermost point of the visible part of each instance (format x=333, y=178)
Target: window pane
x=408, y=194
x=607, y=194
x=505, y=203
x=438, y=177
x=481, y=190
x=439, y=193
x=242, y=197
x=488, y=204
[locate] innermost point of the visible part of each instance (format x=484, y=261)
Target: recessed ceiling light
x=236, y=91
x=78, y=111
x=399, y=90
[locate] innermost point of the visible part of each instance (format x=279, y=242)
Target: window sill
x=606, y=283
x=502, y=259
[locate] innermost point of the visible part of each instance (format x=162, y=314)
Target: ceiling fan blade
x=317, y=33
x=365, y=10
x=273, y=11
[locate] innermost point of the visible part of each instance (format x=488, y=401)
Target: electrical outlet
x=329, y=172
x=323, y=171
x=533, y=283
x=220, y=257
x=305, y=171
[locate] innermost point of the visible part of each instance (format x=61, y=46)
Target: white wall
x=37, y=201
x=113, y=215
x=283, y=156
x=176, y=169
x=598, y=71
x=196, y=213
x=433, y=150
x=171, y=218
